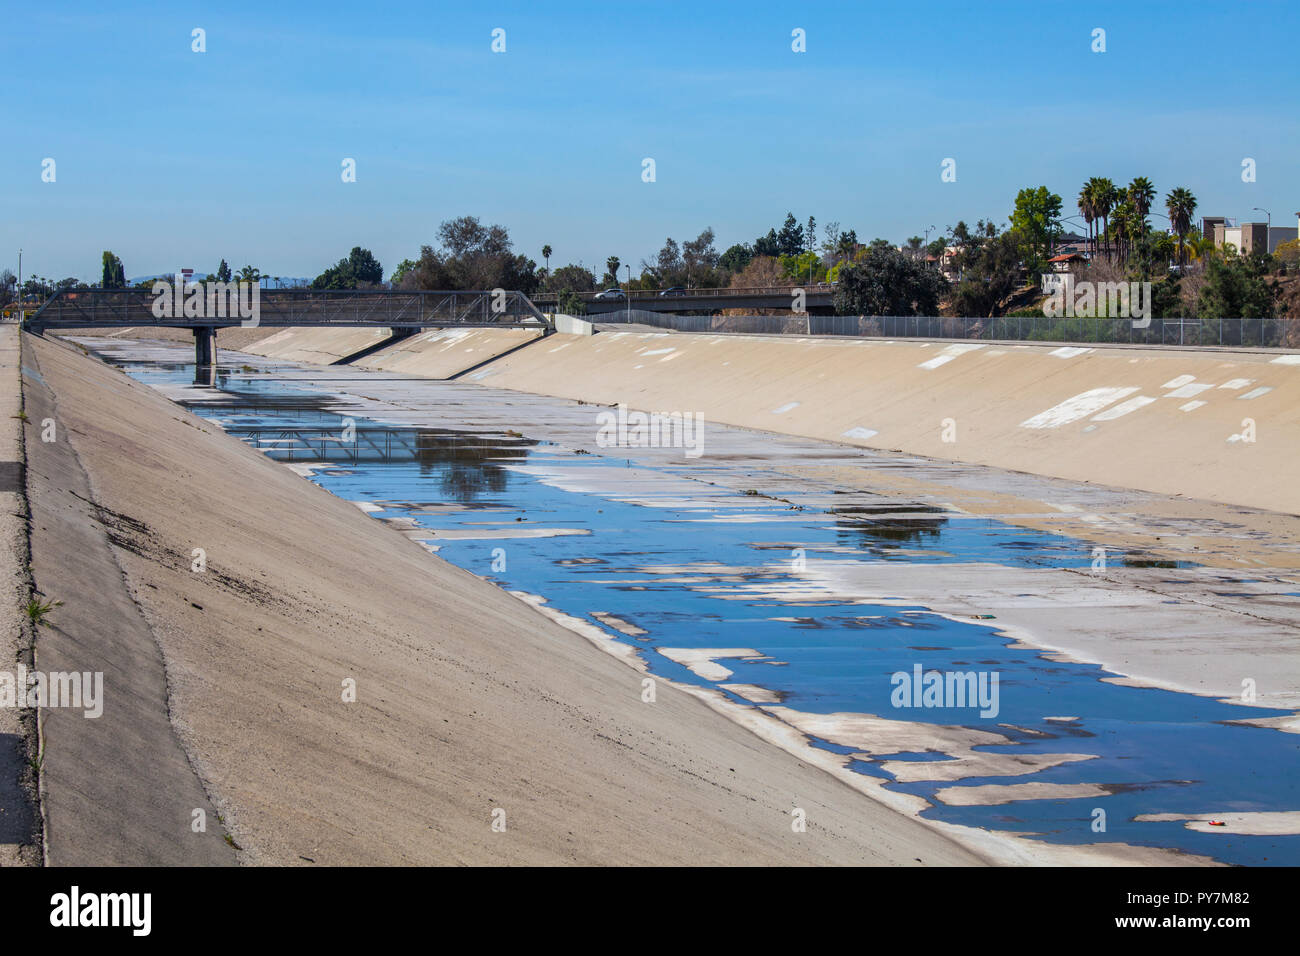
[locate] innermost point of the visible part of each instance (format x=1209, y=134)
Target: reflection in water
x=876, y=533
x=468, y=461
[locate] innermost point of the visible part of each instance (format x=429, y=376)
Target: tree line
x=988, y=270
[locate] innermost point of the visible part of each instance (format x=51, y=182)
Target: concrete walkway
x=18, y=830
x=118, y=788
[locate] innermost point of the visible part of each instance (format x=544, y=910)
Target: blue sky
x=172, y=158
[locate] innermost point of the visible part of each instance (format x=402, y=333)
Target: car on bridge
x=610, y=294
x=674, y=291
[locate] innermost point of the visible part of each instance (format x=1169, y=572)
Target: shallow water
x=720, y=570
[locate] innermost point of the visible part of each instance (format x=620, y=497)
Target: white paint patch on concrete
x=1286, y=360
x=948, y=354
x=861, y=434
x=656, y=352
x=369, y=507
x=1237, y=383
x=701, y=660
x=1179, y=382
x=1255, y=392
x=787, y=407
x=1190, y=406
x=1080, y=406
x=1069, y=351
x=1123, y=408
x=1189, y=391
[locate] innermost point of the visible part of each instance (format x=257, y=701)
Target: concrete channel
x=1144, y=644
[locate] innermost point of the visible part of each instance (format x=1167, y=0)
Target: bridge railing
x=80, y=308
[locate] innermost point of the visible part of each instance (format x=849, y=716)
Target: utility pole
x=628, y=296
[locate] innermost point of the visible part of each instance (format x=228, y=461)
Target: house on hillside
x=1067, y=261
x=1073, y=242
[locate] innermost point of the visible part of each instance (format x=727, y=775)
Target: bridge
x=817, y=300
x=206, y=307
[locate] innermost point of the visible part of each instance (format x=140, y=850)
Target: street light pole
x=628, y=295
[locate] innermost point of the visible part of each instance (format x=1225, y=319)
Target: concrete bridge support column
x=205, y=355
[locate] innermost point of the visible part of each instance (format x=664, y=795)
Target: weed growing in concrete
x=37, y=610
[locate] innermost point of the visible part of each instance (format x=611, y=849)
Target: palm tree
x=1123, y=218
x=1087, y=209
x=1198, y=247
x=1103, y=200
x=1140, y=193
x=1181, y=204
x=546, y=254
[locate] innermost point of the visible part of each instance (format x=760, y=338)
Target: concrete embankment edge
x=19, y=747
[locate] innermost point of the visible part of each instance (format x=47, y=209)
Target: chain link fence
x=1265, y=333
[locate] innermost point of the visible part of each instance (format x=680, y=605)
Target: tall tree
x=574, y=278
x=1036, y=221
x=736, y=258
x=1140, y=194
x=223, y=272
x=667, y=268
x=546, y=254
x=471, y=255
x=701, y=260
x=359, y=269
x=1088, y=209
x=769, y=245
x=1104, y=197
x=114, y=276
x=790, y=238
x=1181, y=206
x=611, y=270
